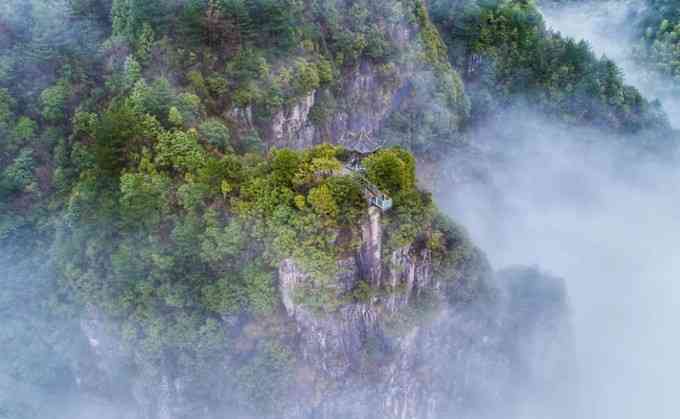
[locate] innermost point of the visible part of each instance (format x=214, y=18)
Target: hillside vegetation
x=127, y=179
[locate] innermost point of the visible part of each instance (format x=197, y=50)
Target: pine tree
x=215, y=24
x=244, y=21
x=238, y=30
x=120, y=18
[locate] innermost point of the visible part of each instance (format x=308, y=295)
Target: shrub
x=19, y=175
x=306, y=77
x=25, y=129
x=53, y=102
x=392, y=170
x=216, y=134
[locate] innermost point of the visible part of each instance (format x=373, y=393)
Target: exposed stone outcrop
x=437, y=346
x=366, y=99
x=385, y=328
x=335, y=341
x=290, y=127
x=370, y=253
x=355, y=109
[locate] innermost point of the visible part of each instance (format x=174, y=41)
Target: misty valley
x=339, y=209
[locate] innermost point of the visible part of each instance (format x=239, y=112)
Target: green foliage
x=216, y=134
x=412, y=211
x=189, y=107
x=659, y=38
x=180, y=150
x=19, y=176
x=507, y=53
x=144, y=43
x=7, y=104
x=53, y=101
x=133, y=72
x=356, y=30
x=119, y=136
x=306, y=77
x=175, y=117
x=450, y=245
x=392, y=170
x=260, y=291
x=144, y=197
x=347, y=198
x=226, y=296
x=84, y=123
x=435, y=48
x=25, y=129
x=325, y=70
x=174, y=219
x=132, y=19
x=322, y=201
x=144, y=152
x=160, y=225
x=155, y=99
x=434, y=106
x=285, y=166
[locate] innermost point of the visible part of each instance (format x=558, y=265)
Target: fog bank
x=609, y=224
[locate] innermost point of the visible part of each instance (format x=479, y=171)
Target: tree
x=215, y=133
x=180, y=151
x=129, y=17
x=120, y=133
x=144, y=197
x=53, y=101
x=285, y=164
x=392, y=170
x=19, y=175
x=306, y=77
x=7, y=104
x=348, y=196
x=25, y=129
x=276, y=19
x=121, y=18
x=175, y=117
x=260, y=289
x=321, y=199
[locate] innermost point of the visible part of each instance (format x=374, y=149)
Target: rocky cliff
x=371, y=357
x=411, y=332
x=407, y=339
x=427, y=345
x=373, y=102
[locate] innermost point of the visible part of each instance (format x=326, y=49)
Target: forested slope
x=146, y=177
x=507, y=55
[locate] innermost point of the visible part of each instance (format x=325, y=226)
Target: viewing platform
x=373, y=194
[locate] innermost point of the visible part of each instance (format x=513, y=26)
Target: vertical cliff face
x=365, y=94
x=334, y=343
x=425, y=345
x=366, y=97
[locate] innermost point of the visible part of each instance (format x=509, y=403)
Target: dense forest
x=658, y=34
x=508, y=54
x=129, y=181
